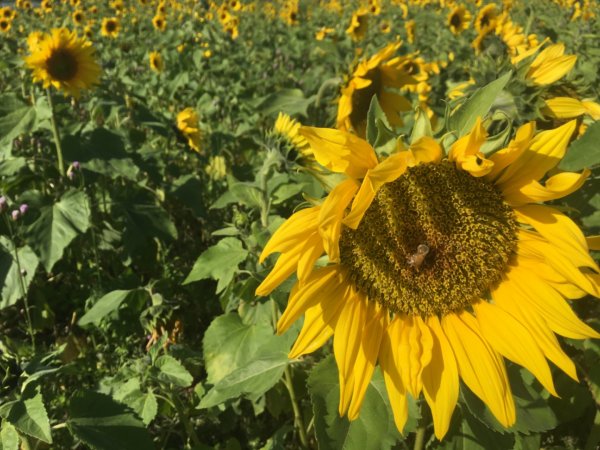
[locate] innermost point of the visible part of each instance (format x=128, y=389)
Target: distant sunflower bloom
x=110, y=27
x=159, y=22
x=46, y=5
x=486, y=18
x=409, y=26
x=439, y=267
x=323, y=32
x=78, y=17
x=156, y=62
x=5, y=25
x=63, y=60
x=187, y=123
x=7, y=13
x=385, y=26
x=459, y=19
x=359, y=24
x=374, y=76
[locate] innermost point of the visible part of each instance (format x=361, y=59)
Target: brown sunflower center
x=432, y=242
x=62, y=65
x=455, y=20
x=4, y=24
x=111, y=26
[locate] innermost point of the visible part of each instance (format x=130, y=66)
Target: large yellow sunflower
x=374, y=76
x=438, y=267
x=486, y=18
x=63, y=60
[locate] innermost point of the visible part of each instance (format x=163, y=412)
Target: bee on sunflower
x=439, y=265
x=63, y=60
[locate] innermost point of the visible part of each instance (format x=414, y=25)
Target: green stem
x=298, y=420
x=189, y=429
x=56, y=134
x=420, y=438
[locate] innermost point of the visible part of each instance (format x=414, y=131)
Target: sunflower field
x=299, y=224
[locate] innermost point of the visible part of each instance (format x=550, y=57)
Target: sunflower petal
x=481, y=368
x=340, y=151
x=440, y=379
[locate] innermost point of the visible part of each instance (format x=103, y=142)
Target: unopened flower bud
x=3, y=203
x=76, y=165
x=15, y=214
x=24, y=208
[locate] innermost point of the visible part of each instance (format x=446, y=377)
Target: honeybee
x=416, y=259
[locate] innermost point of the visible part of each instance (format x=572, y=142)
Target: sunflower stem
x=298, y=421
x=59, y=154
x=420, y=438
x=187, y=425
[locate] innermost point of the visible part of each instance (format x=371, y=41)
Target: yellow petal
x=286, y=264
x=388, y=361
x=292, y=232
x=470, y=143
x=367, y=356
x=505, y=157
x=551, y=306
x=508, y=297
x=477, y=165
x=552, y=70
x=512, y=340
x=385, y=172
x=330, y=218
x=481, y=368
x=414, y=352
x=440, y=379
x=545, y=151
x=557, y=186
x=565, y=107
x=425, y=150
x=324, y=283
x=340, y=151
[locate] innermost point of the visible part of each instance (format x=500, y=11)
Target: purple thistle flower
x=3, y=203
x=15, y=214
x=24, y=208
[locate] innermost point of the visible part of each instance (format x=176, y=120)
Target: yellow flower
x=409, y=26
x=323, y=31
x=458, y=19
x=569, y=108
x=289, y=129
x=110, y=27
x=187, y=123
x=486, y=18
x=551, y=65
x=5, y=25
x=7, y=13
x=156, y=62
x=374, y=76
x=63, y=60
x=385, y=26
x=207, y=53
x=78, y=17
x=359, y=24
x=159, y=22
x=438, y=268
x=216, y=168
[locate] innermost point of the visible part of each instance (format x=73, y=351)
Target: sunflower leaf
x=478, y=105
x=584, y=152
x=374, y=429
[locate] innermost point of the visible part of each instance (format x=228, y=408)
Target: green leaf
x=29, y=416
x=11, y=277
x=584, y=152
x=374, y=429
x=230, y=344
x=421, y=127
x=467, y=433
x=172, y=371
x=144, y=404
x=16, y=118
x=253, y=379
x=289, y=101
x=478, y=105
x=148, y=220
x=379, y=130
x=106, y=305
x=9, y=438
x=219, y=262
x=103, y=424
x=57, y=226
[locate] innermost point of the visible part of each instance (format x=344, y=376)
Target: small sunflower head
x=156, y=61
x=110, y=27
